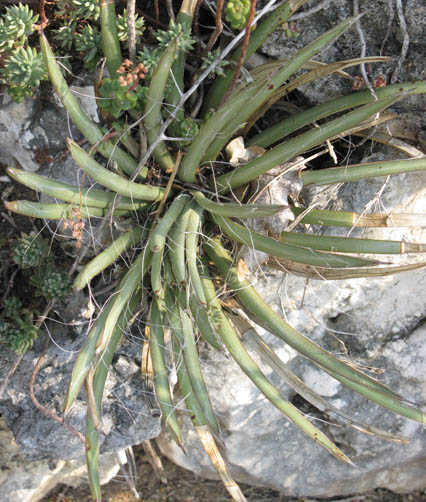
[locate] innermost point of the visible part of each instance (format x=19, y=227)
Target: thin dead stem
x=363, y=43
x=9, y=286
x=405, y=43
x=170, y=12
x=195, y=24
x=156, y=11
x=43, y=19
x=154, y=460
x=244, y=47
x=218, y=27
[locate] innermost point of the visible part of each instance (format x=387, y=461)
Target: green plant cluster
x=17, y=330
x=80, y=29
x=187, y=128
x=114, y=97
x=24, y=66
x=210, y=58
x=51, y=282
x=122, y=31
x=188, y=207
x=88, y=42
x=31, y=254
x=16, y=24
x=236, y=13
x=30, y=251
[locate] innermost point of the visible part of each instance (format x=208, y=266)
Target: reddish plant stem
x=195, y=25
x=219, y=26
x=244, y=46
x=156, y=11
x=43, y=19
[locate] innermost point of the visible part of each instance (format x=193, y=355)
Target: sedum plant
x=122, y=30
x=30, y=251
x=24, y=66
x=15, y=25
x=51, y=282
x=24, y=70
x=190, y=207
x=17, y=331
x=236, y=13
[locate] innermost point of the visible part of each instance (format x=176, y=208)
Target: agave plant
x=194, y=208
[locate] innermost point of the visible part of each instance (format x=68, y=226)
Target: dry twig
x=218, y=28
x=244, y=46
x=405, y=42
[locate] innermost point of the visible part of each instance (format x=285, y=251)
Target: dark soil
x=184, y=486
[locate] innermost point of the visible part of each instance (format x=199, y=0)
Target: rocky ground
x=184, y=486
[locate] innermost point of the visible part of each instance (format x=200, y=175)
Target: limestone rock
x=24, y=481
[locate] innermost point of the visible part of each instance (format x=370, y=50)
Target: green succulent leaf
x=66, y=35
x=16, y=24
x=236, y=13
x=177, y=32
x=25, y=68
x=122, y=31
x=88, y=41
x=86, y=9
x=30, y=251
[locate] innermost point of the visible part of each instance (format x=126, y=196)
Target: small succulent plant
x=86, y=9
x=17, y=331
x=50, y=282
x=88, y=41
x=236, y=13
x=124, y=92
x=66, y=34
x=115, y=98
x=178, y=32
x=187, y=128
x=30, y=251
x=56, y=284
x=15, y=25
x=23, y=71
x=12, y=307
x=25, y=67
x=213, y=56
x=122, y=31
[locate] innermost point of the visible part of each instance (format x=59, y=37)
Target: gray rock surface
x=33, y=132
x=126, y=419
x=24, y=481
x=14, y=119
